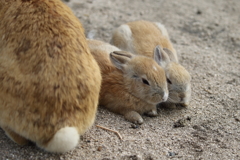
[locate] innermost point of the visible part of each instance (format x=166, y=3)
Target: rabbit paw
x=152, y=113
x=184, y=104
x=15, y=137
x=134, y=117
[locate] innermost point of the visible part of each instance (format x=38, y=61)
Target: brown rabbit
x=49, y=81
x=132, y=85
x=141, y=37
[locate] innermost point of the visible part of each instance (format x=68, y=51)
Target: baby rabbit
x=131, y=84
x=49, y=81
x=141, y=37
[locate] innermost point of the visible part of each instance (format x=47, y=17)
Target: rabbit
x=131, y=84
x=141, y=37
x=49, y=81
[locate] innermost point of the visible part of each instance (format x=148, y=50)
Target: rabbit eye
x=135, y=76
x=169, y=81
x=145, y=81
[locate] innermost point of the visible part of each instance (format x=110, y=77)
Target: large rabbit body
x=49, y=81
x=128, y=87
x=141, y=37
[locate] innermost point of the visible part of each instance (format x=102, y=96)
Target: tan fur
x=48, y=78
x=123, y=93
x=143, y=45
x=142, y=38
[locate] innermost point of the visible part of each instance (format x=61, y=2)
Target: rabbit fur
x=141, y=37
x=132, y=84
x=49, y=81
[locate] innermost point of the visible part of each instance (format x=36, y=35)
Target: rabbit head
x=144, y=78
x=178, y=79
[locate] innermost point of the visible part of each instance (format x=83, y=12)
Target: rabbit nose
x=165, y=97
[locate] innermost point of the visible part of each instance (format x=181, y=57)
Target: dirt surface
x=206, y=35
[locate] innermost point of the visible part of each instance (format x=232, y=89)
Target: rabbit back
x=49, y=79
x=141, y=37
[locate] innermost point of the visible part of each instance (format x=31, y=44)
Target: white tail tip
x=64, y=140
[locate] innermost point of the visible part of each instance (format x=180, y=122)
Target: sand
x=206, y=35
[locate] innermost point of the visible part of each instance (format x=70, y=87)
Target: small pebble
x=237, y=119
x=99, y=148
x=188, y=118
x=199, y=12
x=134, y=126
x=171, y=153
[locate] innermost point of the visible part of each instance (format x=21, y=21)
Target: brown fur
x=144, y=45
x=48, y=78
x=124, y=95
x=152, y=37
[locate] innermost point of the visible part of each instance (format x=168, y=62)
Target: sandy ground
x=206, y=35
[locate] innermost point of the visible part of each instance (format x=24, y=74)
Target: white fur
x=154, y=67
x=162, y=29
x=165, y=97
x=125, y=33
x=64, y=140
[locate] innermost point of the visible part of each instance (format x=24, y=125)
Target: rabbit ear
x=160, y=56
x=171, y=55
x=120, y=58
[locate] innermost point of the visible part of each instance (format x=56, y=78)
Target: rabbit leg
x=15, y=137
x=133, y=117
